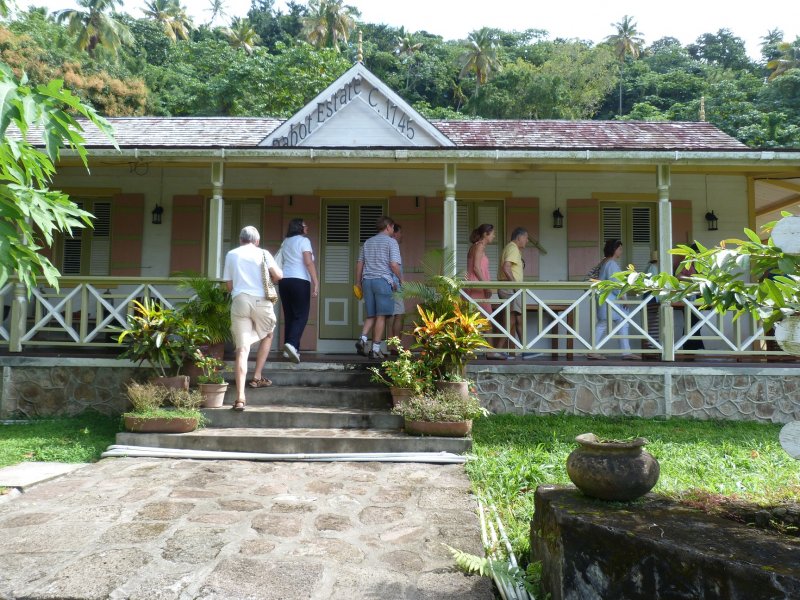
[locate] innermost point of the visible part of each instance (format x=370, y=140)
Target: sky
x=583, y=19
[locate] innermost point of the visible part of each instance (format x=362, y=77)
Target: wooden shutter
x=681, y=226
x=127, y=229
x=434, y=222
x=583, y=240
x=642, y=236
x=524, y=212
x=188, y=234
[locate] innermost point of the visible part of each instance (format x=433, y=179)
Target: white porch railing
x=560, y=319
x=87, y=312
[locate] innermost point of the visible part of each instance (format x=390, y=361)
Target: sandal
x=238, y=405
x=259, y=383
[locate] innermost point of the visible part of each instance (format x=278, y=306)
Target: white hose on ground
x=152, y=452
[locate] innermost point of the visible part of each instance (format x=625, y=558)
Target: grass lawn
x=515, y=454
x=72, y=440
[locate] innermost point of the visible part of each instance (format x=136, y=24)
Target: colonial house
x=175, y=195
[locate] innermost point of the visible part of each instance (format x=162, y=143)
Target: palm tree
x=789, y=59
x=406, y=49
x=626, y=42
x=241, y=34
x=217, y=8
x=480, y=57
x=172, y=16
x=94, y=27
x=328, y=22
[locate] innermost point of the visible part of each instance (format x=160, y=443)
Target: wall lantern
x=711, y=219
x=558, y=219
x=157, y=212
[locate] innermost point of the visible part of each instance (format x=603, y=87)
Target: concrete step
x=363, y=398
x=289, y=416
x=296, y=441
x=316, y=374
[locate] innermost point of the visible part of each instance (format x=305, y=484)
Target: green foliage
x=160, y=336
x=77, y=439
x=405, y=371
x=145, y=397
x=440, y=406
x=739, y=276
x=210, y=307
x=212, y=368
x=500, y=570
x=30, y=213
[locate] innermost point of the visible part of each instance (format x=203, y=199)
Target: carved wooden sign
x=790, y=439
x=786, y=234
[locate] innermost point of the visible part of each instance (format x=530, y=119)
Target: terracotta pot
x=439, y=428
x=160, y=425
x=399, y=395
x=213, y=394
x=619, y=471
x=179, y=382
x=787, y=334
x=193, y=371
x=458, y=387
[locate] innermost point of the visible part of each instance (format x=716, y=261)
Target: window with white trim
x=635, y=226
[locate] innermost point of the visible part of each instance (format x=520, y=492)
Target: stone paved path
x=159, y=529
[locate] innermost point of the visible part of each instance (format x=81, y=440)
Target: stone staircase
x=311, y=408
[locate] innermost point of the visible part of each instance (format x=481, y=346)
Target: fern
x=499, y=570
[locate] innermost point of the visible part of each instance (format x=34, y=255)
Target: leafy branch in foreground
x=30, y=213
x=738, y=276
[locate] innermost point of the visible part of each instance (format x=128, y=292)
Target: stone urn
x=612, y=470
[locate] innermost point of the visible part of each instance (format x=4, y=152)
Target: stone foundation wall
x=737, y=393
x=44, y=390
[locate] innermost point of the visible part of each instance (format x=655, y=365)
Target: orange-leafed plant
x=449, y=342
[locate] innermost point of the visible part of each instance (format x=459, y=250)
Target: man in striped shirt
x=378, y=260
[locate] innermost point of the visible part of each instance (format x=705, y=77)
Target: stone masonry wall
x=737, y=393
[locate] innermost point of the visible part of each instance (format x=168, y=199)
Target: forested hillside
x=159, y=62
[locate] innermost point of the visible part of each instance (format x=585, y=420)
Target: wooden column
x=666, y=321
x=450, y=215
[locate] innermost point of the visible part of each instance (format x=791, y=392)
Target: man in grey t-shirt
x=379, y=275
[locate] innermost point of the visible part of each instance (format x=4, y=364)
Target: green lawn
x=514, y=454
x=72, y=440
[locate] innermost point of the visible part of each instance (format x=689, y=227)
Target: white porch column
x=450, y=242
x=215, y=218
x=665, y=259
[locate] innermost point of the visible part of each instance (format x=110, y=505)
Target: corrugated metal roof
x=247, y=132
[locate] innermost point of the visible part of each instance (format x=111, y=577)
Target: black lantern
x=711, y=219
x=157, y=212
x=558, y=219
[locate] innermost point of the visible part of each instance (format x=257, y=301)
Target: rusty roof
x=247, y=132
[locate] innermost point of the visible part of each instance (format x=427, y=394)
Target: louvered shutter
x=337, y=244
x=127, y=230
x=463, y=229
x=188, y=224
x=72, y=249
x=100, y=240
x=642, y=237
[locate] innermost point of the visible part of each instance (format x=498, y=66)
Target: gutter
x=438, y=156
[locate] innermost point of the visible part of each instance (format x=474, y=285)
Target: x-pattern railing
x=626, y=317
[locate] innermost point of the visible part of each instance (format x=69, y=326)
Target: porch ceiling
x=776, y=194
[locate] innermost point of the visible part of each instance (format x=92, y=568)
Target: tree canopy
x=273, y=60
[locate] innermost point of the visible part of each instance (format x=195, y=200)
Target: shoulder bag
x=270, y=293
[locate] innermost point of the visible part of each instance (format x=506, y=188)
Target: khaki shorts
x=252, y=319
x=516, y=303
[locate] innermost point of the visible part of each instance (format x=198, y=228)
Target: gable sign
x=357, y=110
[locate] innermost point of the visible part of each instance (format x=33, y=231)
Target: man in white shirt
x=252, y=315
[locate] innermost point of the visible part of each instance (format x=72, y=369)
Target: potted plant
x=448, y=342
x=405, y=375
x=150, y=415
x=162, y=338
x=212, y=383
x=440, y=413
x=210, y=307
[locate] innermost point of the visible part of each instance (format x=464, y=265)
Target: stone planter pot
x=620, y=471
x=213, y=394
x=160, y=425
x=399, y=395
x=457, y=387
x=787, y=334
x=439, y=428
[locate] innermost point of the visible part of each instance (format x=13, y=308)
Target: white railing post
x=450, y=216
x=17, y=321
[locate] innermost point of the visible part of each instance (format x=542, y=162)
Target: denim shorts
x=378, y=297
